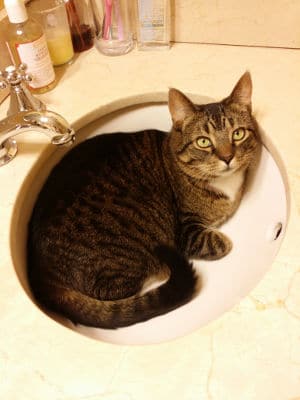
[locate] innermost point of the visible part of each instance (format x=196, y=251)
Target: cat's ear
x=242, y=91
x=180, y=107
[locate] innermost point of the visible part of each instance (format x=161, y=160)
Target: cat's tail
x=180, y=288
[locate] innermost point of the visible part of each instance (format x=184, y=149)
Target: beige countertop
x=253, y=351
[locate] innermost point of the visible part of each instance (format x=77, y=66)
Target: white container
x=153, y=24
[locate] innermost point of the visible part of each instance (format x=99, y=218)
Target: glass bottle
x=26, y=43
x=116, y=36
x=81, y=21
x=153, y=24
x=52, y=15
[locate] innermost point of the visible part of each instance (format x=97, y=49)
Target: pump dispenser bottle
x=26, y=43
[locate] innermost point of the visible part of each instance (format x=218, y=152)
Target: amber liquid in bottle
x=81, y=25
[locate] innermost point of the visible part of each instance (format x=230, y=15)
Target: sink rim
x=47, y=155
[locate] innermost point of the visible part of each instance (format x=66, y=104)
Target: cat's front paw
x=210, y=244
x=215, y=245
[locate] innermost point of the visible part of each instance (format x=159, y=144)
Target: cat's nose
x=227, y=158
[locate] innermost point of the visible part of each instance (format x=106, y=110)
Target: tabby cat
x=122, y=210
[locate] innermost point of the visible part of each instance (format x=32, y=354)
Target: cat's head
x=215, y=139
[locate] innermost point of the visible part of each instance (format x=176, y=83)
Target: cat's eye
x=239, y=134
x=203, y=142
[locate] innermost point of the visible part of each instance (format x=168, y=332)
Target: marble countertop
x=253, y=351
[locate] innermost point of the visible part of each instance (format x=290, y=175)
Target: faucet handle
x=21, y=99
x=14, y=75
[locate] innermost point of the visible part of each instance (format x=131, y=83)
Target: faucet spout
x=48, y=122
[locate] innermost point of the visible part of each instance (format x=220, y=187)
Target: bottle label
x=36, y=55
x=152, y=20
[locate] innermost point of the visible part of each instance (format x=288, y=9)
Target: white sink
x=257, y=230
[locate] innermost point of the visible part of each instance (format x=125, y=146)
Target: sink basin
x=257, y=230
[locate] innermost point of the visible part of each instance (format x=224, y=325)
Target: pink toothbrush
x=119, y=19
x=107, y=19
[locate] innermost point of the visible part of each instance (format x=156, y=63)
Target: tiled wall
x=241, y=22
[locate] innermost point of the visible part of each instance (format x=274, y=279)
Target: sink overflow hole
x=277, y=231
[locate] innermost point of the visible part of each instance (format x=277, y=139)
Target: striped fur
x=123, y=209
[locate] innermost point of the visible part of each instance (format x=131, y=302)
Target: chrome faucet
x=27, y=113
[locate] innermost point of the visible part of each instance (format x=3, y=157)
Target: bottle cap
x=16, y=11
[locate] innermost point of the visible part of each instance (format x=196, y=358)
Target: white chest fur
x=229, y=185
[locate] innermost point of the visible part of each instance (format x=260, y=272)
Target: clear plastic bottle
x=26, y=43
x=52, y=16
x=153, y=24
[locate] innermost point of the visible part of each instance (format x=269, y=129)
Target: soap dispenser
x=27, y=44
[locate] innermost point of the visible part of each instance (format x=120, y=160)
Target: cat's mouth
x=229, y=170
